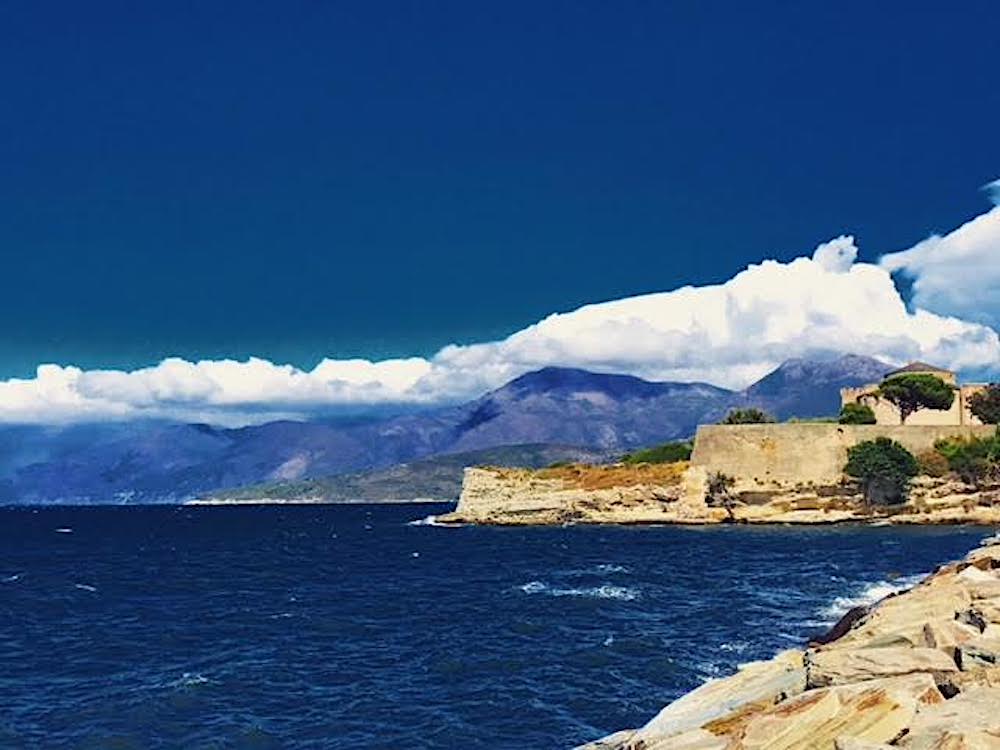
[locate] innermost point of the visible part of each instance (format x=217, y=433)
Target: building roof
x=918, y=367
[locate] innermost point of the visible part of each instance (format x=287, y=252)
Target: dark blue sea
x=346, y=627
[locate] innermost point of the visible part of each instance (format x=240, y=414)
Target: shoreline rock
x=675, y=494
x=917, y=670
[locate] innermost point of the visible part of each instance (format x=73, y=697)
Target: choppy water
x=345, y=627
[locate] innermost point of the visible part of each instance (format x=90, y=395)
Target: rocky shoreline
x=677, y=494
x=917, y=670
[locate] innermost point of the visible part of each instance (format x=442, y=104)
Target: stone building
x=887, y=414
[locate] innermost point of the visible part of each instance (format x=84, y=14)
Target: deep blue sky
x=297, y=179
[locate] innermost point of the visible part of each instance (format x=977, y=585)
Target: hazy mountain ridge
x=438, y=477
x=164, y=462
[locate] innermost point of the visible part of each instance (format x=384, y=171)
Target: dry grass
x=586, y=477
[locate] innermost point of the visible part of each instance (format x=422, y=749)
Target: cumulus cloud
x=958, y=273
x=728, y=334
x=837, y=255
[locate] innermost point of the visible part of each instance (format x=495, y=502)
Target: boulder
x=969, y=721
x=978, y=653
x=903, y=616
x=757, y=685
x=615, y=741
x=984, y=589
x=876, y=711
x=843, y=666
x=946, y=635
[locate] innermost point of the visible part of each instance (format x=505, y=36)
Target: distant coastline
x=314, y=501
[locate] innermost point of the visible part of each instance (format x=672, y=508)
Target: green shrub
x=975, y=460
x=747, y=416
x=856, y=414
x=985, y=404
x=933, y=464
x=884, y=468
x=660, y=454
x=915, y=391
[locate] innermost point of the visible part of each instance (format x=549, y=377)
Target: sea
x=368, y=626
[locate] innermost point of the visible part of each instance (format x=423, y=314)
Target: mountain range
x=605, y=414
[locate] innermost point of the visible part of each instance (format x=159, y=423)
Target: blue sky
x=295, y=181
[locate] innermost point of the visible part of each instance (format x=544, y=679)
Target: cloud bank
x=958, y=273
x=728, y=334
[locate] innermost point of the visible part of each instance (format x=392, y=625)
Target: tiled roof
x=918, y=367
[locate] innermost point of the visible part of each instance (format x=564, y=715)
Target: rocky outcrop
x=647, y=493
x=676, y=493
x=917, y=670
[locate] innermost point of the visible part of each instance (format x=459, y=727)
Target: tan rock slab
x=853, y=743
x=904, y=615
x=696, y=739
x=757, y=682
x=947, y=635
x=875, y=711
x=842, y=666
x=970, y=721
x=979, y=653
x=615, y=741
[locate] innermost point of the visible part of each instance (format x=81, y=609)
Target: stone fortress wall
x=780, y=453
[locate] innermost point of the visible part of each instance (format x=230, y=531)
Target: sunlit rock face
x=918, y=670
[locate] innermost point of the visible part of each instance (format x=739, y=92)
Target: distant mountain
x=809, y=388
x=436, y=478
x=161, y=462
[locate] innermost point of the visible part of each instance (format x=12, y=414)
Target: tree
x=747, y=416
x=855, y=413
x=914, y=391
x=884, y=468
x=985, y=404
x=718, y=493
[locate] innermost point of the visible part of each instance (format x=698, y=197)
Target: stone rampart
x=805, y=452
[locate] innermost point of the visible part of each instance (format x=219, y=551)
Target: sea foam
x=605, y=591
x=869, y=593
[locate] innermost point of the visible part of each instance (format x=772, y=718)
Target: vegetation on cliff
x=661, y=454
x=751, y=415
x=587, y=477
x=975, y=460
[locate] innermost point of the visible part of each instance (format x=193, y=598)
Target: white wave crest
x=605, y=591
x=611, y=568
x=869, y=593
x=190, y=679
x=433, y=521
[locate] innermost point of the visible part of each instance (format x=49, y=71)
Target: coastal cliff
x=677, y=493
x=917, y=670
x=776, y=473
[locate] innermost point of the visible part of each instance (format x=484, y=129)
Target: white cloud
x=838, y=254
x=958, y=273
x=728, y=334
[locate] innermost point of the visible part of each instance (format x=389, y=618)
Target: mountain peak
x=555, y=380
x=811, y=387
